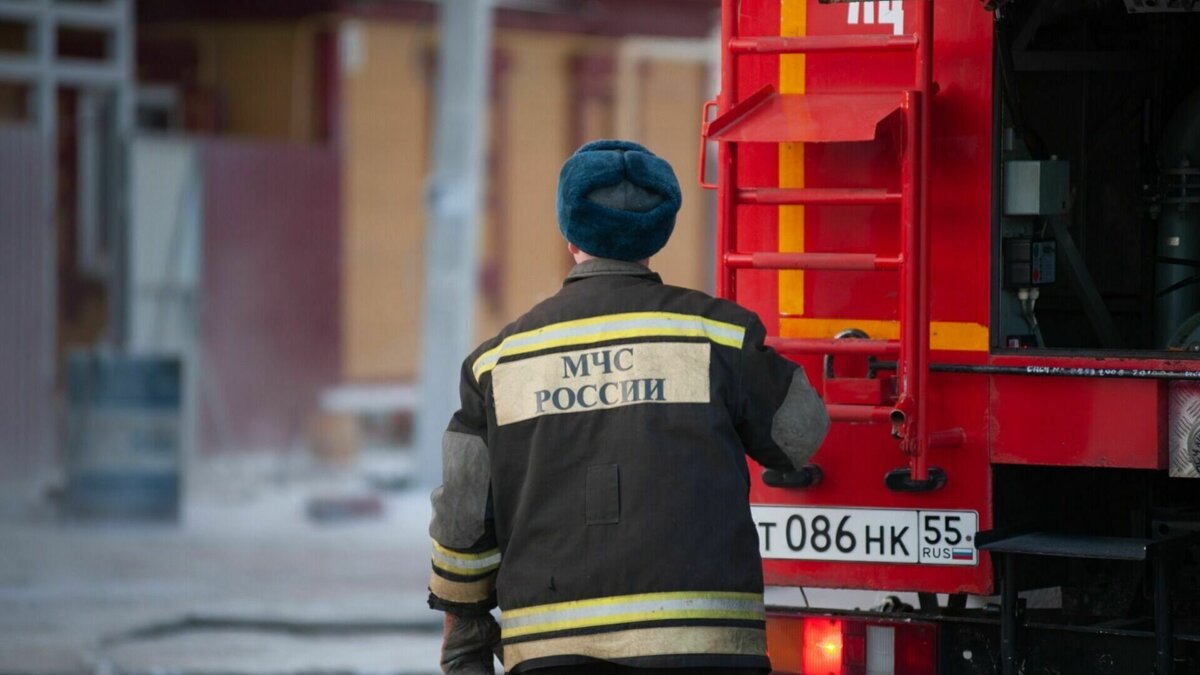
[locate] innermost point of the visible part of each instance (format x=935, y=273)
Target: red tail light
x=822, y=646
x=849, y=645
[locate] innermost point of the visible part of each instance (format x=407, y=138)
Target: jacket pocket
x=602, y=496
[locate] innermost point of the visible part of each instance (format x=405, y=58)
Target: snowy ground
x=244, y=584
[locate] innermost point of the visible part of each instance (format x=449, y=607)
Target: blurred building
x=271, y=188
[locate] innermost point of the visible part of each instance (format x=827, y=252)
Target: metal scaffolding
x=45, y=71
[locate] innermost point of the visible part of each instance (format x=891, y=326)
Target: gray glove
x=468, y=647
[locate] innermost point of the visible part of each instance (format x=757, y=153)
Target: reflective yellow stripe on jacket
x=465, y=578
x=627, y=626
x=631, y=609
x=611, y=327
x=470, y=564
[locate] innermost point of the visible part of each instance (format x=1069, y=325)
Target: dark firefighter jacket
x=595, y=481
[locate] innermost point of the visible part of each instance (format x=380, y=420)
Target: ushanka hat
x=616, y=199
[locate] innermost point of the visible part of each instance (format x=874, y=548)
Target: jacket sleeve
x=781, y=419
x=465, y=553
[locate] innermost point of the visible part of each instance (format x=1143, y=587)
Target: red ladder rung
x=872, y=414
x=767, y=260
x=847, y=346
x=829, y=44
x=826, y=196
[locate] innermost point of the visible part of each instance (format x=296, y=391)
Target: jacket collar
x=606, y=267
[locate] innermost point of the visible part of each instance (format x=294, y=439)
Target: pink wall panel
x=270, y=316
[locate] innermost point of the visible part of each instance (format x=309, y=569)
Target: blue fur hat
x=616, y=199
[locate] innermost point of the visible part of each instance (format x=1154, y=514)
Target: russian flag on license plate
x=961, y=554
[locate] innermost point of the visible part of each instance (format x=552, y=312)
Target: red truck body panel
x=1034, y=417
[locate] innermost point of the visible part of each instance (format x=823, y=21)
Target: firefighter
x=595, y=484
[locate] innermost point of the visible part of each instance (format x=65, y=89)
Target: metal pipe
x=948, y=438
x=828, y=44
x=768, y=260
x=850, y=346
x=726, y=277
x=122, y=40
x=1177, y=293
x=73, y=14
x=924, y=68
x=870, y=414
x=1164, y=630
x=1176, y=289
x=21, y=69
x=909, y=360
x=67, y=71
x=821, y=196
x=1008, y=616
x=1094, y=369
x=44, y=104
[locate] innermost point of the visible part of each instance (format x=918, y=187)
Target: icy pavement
x=244, y=584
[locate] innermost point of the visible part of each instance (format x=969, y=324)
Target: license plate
x=867, y=535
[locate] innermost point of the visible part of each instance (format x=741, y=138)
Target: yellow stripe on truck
x=943, y=335
x=793, y=21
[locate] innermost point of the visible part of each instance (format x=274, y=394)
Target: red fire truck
x=977, y=226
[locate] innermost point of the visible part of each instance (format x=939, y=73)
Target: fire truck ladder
x=769, y=117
